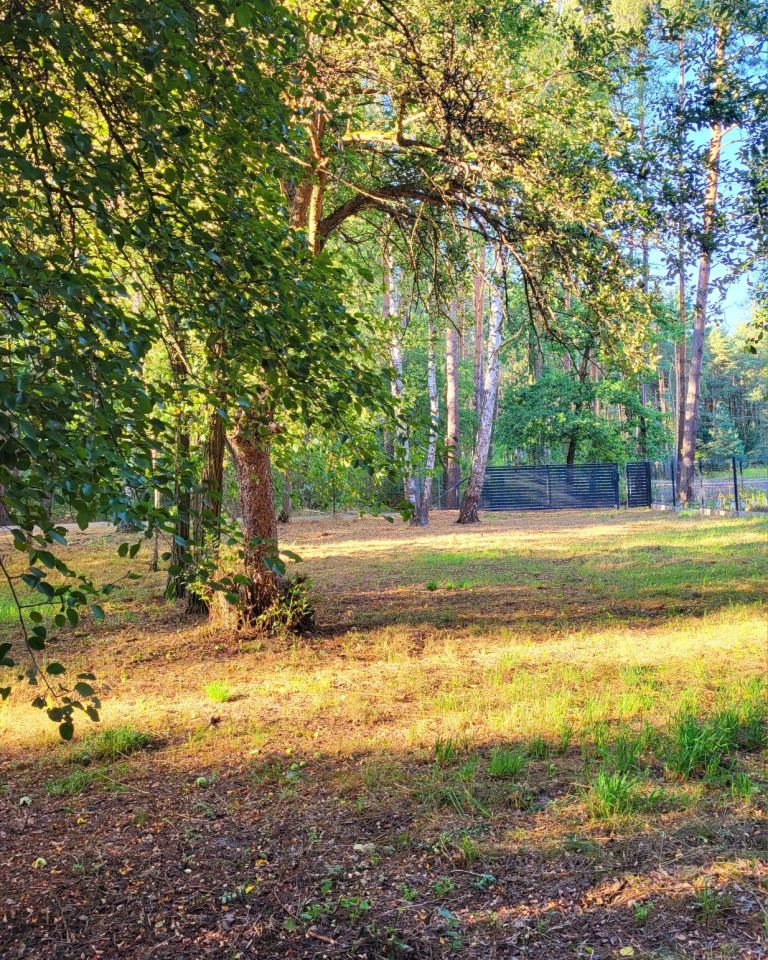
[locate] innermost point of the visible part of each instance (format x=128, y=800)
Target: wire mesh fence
x=734, y=484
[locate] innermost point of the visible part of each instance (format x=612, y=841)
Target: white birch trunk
x=398, y=325
x=471, y=500
x=434, y=422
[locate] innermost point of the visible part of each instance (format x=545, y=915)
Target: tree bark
x=251, y=449
x=287, y=508
x=478, y=310
x=178, y=577
x=206, y=532
x=452, y=430
x=471, y=500
x=434, y=421
x=691, y=423
x=680, y=358
x=398, y=324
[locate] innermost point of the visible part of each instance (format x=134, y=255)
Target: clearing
x=543, y=737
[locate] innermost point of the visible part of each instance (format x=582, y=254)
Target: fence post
x=549, y=488
x=616, y=485
x=673, y=471
x=735, y=484
x=701, y=486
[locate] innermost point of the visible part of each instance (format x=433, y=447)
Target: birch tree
x=470, y=503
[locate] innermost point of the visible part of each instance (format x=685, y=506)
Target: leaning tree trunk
x=434, y=420
x=452, y=431
x=691, y=423
x=471, y=500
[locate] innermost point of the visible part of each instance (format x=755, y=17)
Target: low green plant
x=505, y=764
x=218, y=691
x=443, y=886
x=432, y=585
x=617, y=795
x=699, y=746
x=445, y=752
x=623, y=754
x=112, y=743
x=70, y=785
x=708, y=903
x=408, y=893
x=539, y=749
x=356, y=907
x=643, y=910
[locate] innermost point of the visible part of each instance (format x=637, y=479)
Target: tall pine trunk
x=471, y=501
x=452, y=430
x=680, y=358
x=691, y=423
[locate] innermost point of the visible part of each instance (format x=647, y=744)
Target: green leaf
x=66, y=730
x=97, y=612
x=55, y=668
x=84, y=689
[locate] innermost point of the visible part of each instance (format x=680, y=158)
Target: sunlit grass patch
x=218, y=691
x=617, y=796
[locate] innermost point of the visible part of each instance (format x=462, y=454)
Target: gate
x=559, y=487
x=638, y=484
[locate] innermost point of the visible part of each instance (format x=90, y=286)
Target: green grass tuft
x=505, y=764
x=70, y=785
x=112, y=743
x=218, y=691
x=617, y=796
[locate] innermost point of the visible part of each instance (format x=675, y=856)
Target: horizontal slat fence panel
x=558, y=487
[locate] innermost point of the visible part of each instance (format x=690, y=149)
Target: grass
x=613, y=796
x=506, y=764
x=567, y=680
x=112, y=743
x=218, y=691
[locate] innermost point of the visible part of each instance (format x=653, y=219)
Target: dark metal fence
x=553, y=487
x=638, y=484
x=738, y=483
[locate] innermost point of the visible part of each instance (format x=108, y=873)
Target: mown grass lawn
x=541, y=737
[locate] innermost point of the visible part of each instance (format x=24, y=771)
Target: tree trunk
x=452, y=430
x=287, y=508
x=206, y=532
x=254, y=479
x=691, y=423
x=434, y=422
x=478, y=310
x=471, y=500
x=680, y=358
x=391, y=315
x=178, y=576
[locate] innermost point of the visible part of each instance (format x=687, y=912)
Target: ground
x=543, y=737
